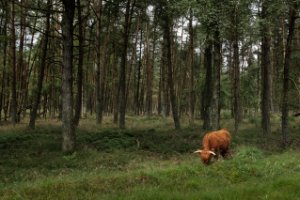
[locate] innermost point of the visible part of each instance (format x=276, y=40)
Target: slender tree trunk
x=2, y=88
x=13, y=105
x=285, y=110
x=192, y=71
x=135, y=104
x=30, y=64
x=68, y=144
x=207, y=92
x=78, y=100
x=138, y=75
x=236, y=73
x=116, y=87
x=45, y=105
x=122, y=78
x=21, y=68
x=160, y=86
x=231, y=77
x=164, y=84
x=99, y=103
x=4, y=74
x=265, y=72
x=150, y=66
x=215, y=108
x=167, y=42
x=2, y=91
x=105, y=82
x=7, y=95
x=142, y=95
x=278, y=57
x=44, y=49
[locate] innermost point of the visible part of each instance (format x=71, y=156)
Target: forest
x=108, y=99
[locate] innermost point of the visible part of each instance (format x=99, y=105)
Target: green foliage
x=255, y=120
x=225, y=97
x=250, y=96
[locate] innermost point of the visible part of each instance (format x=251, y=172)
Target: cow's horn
x=213, y=153
x=198, y=151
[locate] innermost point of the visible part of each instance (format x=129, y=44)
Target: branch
x=295, y=84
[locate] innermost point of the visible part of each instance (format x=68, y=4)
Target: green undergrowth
x=144, y=163
x=250, y=174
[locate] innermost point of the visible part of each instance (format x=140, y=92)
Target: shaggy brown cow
x=214, y=143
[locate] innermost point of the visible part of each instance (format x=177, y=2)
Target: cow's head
x=205, y=155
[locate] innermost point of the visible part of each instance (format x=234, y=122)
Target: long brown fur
x=217, y=142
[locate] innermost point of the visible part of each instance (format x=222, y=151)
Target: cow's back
x=217, y=140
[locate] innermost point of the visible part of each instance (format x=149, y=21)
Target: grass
x=148, y=160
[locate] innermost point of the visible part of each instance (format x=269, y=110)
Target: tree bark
x=165, y=105
x=160, y=87
x=116, y=87
x=44, y=49
x=215, y=108
x=265, y=72
x=192, y=71
x=236, y=74
x=150, y=66
x=78, y=99
x=207, y=92
x=4, y=73
x=122, y=78
x=68, y=144
x=14, y=104
x=99, y=99
x=138, y=76
x=21, y=68
x=167, y=42
x=285, y=110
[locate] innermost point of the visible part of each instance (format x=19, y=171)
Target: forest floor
x=147, y=160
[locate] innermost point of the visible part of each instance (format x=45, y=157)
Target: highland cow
x=214, y=143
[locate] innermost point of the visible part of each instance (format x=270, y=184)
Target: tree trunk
x=99, y=103
x=164, y=84
x=3, y=77
x=116, y=87
x=167, y=42
x=236, y=74
x=68, y=144
x=149, y=74
x=160, y=87
x=265, y=72
x=21, y=68
x=215, y=108
x=2, y=90
x=285, y=110
x=6, y=97
x=122, y=78
x=135, y=104
x=78, y=100
x=192, y=71
x=14, y=104
x=30, y=64
x=44, y=49
x=4, y=74
x=207, y=92
x=138, y=75
x=278, y=62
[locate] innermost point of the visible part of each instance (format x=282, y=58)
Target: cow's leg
x=224, y=153
x=218, y=153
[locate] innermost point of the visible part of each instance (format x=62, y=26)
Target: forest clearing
x=149, y=160
x=111, y=99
